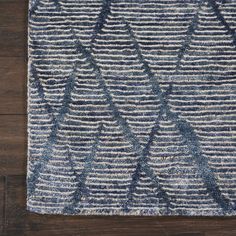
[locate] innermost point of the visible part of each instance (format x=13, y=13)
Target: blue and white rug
x=131, y=107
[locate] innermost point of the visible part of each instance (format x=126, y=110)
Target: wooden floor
x=14, y=219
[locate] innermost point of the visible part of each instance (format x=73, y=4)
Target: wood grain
x=13, y=144
x=13, y=92
x=13, y=28
x=2, y=204
x=223, y=232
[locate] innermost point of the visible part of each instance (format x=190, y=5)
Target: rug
x=131, y=107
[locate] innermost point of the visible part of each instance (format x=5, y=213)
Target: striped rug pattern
x=131, y=107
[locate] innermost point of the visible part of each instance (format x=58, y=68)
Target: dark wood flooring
x=14, y=219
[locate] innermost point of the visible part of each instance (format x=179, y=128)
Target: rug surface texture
x=131, y=107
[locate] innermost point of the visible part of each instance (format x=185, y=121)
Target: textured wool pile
x=131, y=107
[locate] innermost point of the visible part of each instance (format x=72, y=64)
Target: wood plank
x=13, y=144
x=13, y=28
x=13, y=84
x=221, y=233
x=2, y=204
x=187, y=234
x=21, y=222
